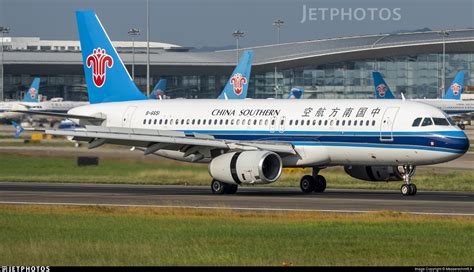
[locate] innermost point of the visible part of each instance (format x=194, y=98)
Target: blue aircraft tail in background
x=106, y=76
x=455, y=89
x=296, y=93
x=382, y=91
x=159, y=90
x=33, y=92
x=237, y=86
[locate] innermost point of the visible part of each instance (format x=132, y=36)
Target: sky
x=198, y=23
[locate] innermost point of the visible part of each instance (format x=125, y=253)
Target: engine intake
x=246, y=167
x=376, y=173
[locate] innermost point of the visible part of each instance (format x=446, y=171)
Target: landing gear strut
x=408, y=189
x=220, y=188
x=313, y=183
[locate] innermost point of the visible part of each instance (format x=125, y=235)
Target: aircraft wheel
x=405, y=189
x=413, y=189
x=320, y=184
x=218, y=187
x=231, y=189
x=307, y=184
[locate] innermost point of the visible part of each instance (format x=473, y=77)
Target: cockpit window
x=427, y=122
x=451, y=122
x=416, y=122
x=440, y=121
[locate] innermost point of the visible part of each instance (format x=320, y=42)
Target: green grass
x=53, y=235
x=54, y=169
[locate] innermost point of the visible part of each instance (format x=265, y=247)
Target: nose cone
x=460, y=143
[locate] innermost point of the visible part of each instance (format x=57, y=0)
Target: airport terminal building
x=412, y=63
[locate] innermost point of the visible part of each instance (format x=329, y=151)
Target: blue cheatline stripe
x=453, y=133
x=439, y=149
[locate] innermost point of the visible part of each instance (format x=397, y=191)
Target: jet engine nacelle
x=376, y=173
x=246, y=167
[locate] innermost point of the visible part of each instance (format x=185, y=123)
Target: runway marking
x=222, y=208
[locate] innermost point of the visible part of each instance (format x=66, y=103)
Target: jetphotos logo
x=32, y=92
x=456, y=87
x=99, y=61
x=238, y=81
x=311, y=14
x=381, y=88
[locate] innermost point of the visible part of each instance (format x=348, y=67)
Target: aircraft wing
x=62, y=115
x=164, y=139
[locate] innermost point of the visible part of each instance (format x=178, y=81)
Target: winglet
x=18, y=129
x=455, y=89
x=382, y=91
x=237, y=86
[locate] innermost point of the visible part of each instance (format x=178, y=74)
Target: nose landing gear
x=408, y=189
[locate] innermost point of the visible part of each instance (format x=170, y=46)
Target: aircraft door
x=127, y=117
x=386, y=127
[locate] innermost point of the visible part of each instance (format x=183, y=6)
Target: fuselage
x=7, y=108
x=323, y=132
x=450, y=106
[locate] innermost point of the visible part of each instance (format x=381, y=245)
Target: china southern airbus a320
x=250, y=141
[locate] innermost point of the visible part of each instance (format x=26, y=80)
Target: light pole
x=237, y=35
x=4, y=30
x=444, y=34
x=133, y=32
x=147, y=48
x=278, y=24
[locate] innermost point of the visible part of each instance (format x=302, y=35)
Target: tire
x=405, y=190
x=320, y=184
x=218, y=187
x=231, y=189
x=307, y=184
x=413, y=189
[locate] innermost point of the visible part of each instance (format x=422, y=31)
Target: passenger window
x=215, y=121
x=226, y=122
x=260, y=122
x=296, y=122
x=266, y=122
x=361, y=123
x=337, y=123
x=238, y=122
x=187, y=121
x=331, y=122
x=161, y=121
x=367, y=123
x=144, y=121
x=427, y=122
x=221, y=122
x=199, y=121
x=349, y=122
x=232, y=122
x=373, y=123
x=204, y=121
x=440, y=121
x=149, y=121
x=182, y=122
x=166, y=121
x=325, y=122
x=416, y=122
x=249, y=122
x=320, y=122
x=154, y=122
x=273, y=122
x=343, y=122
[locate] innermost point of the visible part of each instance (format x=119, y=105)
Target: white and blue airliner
x=250, y=141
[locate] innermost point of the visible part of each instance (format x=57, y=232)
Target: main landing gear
x=220, y=188
x=313, y=183
x=408, y=189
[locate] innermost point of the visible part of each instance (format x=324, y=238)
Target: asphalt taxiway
x=247, y=198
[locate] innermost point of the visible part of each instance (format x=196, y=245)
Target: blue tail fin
x=455, y=89
x=237, y=86
x=33, y=91
x=159, y=90
x=296, y=93
x=18, y=129
x=107, y=78
x=382, y=91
